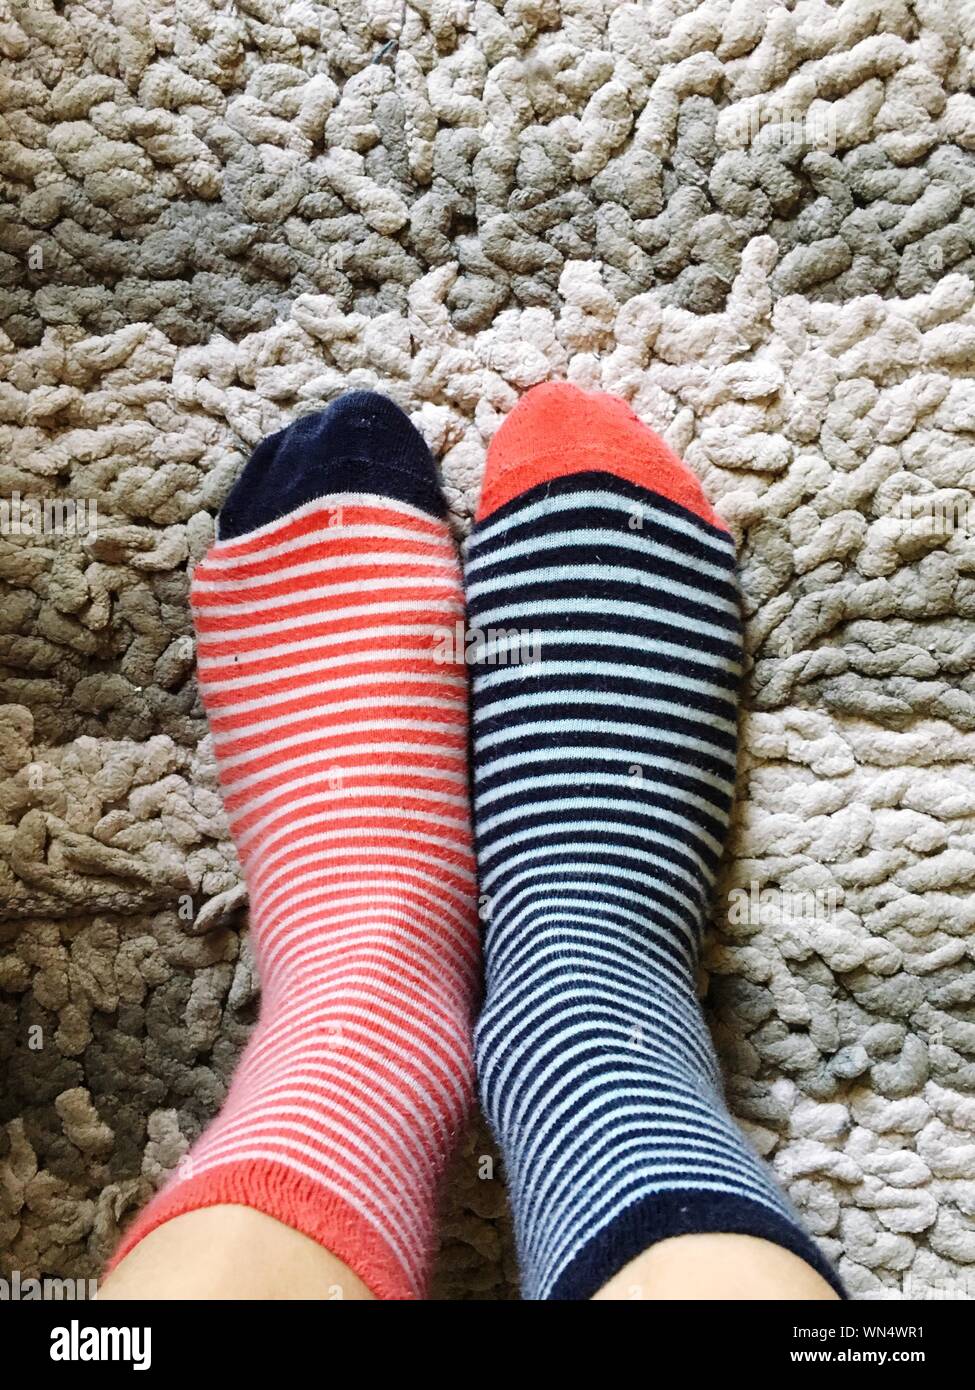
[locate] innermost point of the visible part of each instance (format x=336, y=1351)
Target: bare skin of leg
x=723, y=1267
x=230, y=1252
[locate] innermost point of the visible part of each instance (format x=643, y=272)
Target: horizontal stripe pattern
x=341, y=744
x=604, y=772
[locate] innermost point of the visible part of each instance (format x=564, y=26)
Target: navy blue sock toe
x=363, y=442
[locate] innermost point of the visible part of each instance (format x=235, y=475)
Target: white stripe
x=383, y=584
x=363, y=726
x=661, y=1010
x=634, y=938
x=448, y=955
x=326, y=505
x=306, y=822
x=244, y=837
x=481, y=712
x=399, y=777
x=634, y=875
x=637, y=785
x=648, y=544
x=369, y=859
x=659, y=928
x=623, y=641
x=583, y=501
x=351, y=997
x=526, y=615
x=302, y=691
x=351, y=614
x=344, y=560
x=658, y=1179
x=403, y=1169
x=507, y=1077
x=386, y=660
x=320, y=895
x=359, y=1022
x=222, y=737
x=507, y=675
x=375, y=941
x=648, y=578
x=351, y=794
x=285, y=926
x=613, y=827
x=555, y=727
x=370, y=869
x=680, y=932
x=383, y=631
x=260, y=878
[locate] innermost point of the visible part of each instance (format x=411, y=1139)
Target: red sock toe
x=557, y=429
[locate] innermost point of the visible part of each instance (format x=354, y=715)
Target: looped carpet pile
x=753, y=220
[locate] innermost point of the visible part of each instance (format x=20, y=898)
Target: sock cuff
x=294, y=1200
x=662, y=1215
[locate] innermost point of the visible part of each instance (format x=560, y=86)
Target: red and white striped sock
x=341, y=742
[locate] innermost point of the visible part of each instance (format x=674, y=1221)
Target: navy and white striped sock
x=604, y=767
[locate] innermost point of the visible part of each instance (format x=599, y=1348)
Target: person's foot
x=341, y=742
x=604, y=771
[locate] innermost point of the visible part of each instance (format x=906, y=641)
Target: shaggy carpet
x=755, y=221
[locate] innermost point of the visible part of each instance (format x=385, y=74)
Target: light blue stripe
x=528, y=614
x=642, y=861
x=639, y=786
x=534, y=701
x=609, y=827
x=651, y=579
x=623, y=641
x=647, y=543
x=595, y=754
x=654, y=901
x=506, y=675
x=484, y=532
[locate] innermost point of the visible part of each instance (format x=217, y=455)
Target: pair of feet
x=598, y=733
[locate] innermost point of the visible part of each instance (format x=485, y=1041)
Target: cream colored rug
x=753, y=220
